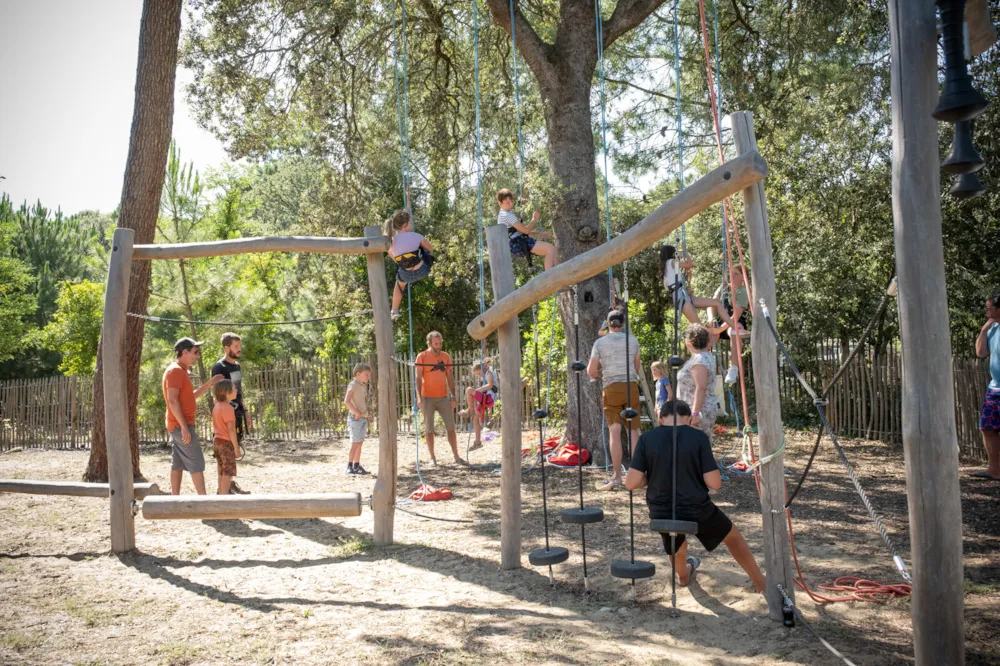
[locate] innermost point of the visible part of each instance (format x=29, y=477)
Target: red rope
x=855, y=588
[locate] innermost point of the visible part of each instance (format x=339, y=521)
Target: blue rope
x=680, y=117
x=517, y=107
x=399, y=103
x=599, y=28
x=479, y=159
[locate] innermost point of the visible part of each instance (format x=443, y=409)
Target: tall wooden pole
x=765, y=376
x=115, y=395
x=384, y=494
x=929, y=434
x=509, y=344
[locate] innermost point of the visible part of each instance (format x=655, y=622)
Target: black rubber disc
x=673, y=526
x=626, y=569
x=545, y=558
x=584, y=516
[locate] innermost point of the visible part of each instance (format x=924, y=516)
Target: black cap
x=616, y=317
x=185, y=344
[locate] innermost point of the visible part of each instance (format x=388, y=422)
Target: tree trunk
x=152, y=124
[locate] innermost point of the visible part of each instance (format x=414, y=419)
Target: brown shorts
x=225, y=456
x=614, y=399
x=443, y=407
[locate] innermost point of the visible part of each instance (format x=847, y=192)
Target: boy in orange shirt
x=225, y=444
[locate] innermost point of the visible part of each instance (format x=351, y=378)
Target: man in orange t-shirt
x=180, y=395
x=436, y=392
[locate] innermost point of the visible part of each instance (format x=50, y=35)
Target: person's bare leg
x=740, y=550
x=355, y=453
x=224, y=483
x=547, y=251
x=176, y=476
x=470, y=401
x=453, y=443
x=397, y=294
x=615, y=431
x=477, y=425
x=705, y=303
x=198, y=479
x=429, y=436
x=991, y=440
x=681, y=565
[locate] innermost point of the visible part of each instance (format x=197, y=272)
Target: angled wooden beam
x=319, y=244
x=982, y=32
x=728, y=179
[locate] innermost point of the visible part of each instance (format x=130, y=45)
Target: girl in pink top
x=411, y=251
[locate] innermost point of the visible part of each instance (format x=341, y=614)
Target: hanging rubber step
x=626, y=569
x=540, y=414
x=579, y=366
x=584, y=516
x=546, y=558
x=664, y=526
x=675, y=361
x=629, y=413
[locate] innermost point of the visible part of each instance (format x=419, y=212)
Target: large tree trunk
x=152, y=124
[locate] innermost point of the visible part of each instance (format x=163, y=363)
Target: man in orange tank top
x=436, y=393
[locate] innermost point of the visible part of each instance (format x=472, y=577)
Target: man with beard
x=229, y=367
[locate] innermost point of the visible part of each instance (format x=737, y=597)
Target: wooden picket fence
x=299, y=399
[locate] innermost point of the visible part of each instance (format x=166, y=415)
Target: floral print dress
x=686, y=389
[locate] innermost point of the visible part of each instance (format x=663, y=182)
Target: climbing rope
x=517, y=106
x=246, y=324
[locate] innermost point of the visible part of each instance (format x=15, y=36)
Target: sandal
x=476, y=445
x=609, y=486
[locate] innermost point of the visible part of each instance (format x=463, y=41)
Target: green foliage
x=75, y=327
x=17, y=304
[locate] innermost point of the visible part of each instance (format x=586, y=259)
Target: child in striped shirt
x=522, y=244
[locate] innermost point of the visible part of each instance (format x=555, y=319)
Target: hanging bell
x=967, y=186
x=959, y=100
x=964, y=157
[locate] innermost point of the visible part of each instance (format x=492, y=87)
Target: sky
x=67, y=76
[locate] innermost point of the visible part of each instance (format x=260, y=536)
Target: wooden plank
x=229, y=507
x=71, y=488
x=765, y=373
x=384, y=493
x=115, y=399
x=708, y=190
x=928, y=417
x=319, y=244
x=509, y=342
x=982, y=32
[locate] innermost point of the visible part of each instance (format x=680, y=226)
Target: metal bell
x=959, y=99
x=964, y=157
x=967, y=186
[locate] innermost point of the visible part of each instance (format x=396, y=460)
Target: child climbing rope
x=480, y=399
x=736, y=306
x=522, y=243
x=672, y=273
x=410, y=251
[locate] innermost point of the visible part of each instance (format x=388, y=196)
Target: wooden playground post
x=765, y=376
x=509, y=344
x=384, y=494
x=928, y=423
x=115, y=382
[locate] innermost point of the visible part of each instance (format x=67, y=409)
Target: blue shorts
x=989, y=418
x=521, y=246
x=414, y=275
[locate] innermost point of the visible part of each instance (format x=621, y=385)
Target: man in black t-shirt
x=229, y=367
x=652, y=468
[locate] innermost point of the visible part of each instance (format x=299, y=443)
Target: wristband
x=695, y=413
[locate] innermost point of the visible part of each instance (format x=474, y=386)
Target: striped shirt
x=509, y=218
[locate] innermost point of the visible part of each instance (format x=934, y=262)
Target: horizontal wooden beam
x=319, y=244
x=70, y=488
x=227, y=507
x=727, y=180
x=982, y=32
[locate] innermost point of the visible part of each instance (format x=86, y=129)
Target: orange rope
x=856, y=589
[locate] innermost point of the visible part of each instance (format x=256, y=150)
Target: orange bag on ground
x=427, y=493
x=569, y=456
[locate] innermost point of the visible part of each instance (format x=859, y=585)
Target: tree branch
x=628, y=15
x=535, y=51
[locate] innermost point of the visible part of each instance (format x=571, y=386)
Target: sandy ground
x=318, y=591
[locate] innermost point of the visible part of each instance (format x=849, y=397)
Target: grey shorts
x=187, y=457
x=358, y=428
x=443, y=407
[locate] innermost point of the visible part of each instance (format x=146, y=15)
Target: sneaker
x=434, y=462
x=234, y=489
x=350, y=470
x=394, y=314
x=732, y=374
x=359, y=470
x=459, y=461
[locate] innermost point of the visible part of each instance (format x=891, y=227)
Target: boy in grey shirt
x=356, y=402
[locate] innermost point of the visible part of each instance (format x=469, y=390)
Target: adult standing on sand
x=988, y=345
x=436, y=392
x=180, y=395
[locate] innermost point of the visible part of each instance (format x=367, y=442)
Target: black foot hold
x=546, y=558
x=673, y=526
x=626, y=569
x=584, y=516
x=579, y=366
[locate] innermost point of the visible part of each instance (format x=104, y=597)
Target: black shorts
x=713, y=527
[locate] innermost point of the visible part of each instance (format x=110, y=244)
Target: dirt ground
x=318, y=591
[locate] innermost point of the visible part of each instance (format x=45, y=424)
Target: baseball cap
x=616, y=317
x=185, y=344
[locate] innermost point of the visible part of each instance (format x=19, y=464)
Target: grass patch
x=351, y=546
x=20, y=642
x=86, y=611
x=981, y=588
x=176, y=654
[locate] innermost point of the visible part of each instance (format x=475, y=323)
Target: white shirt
x=508, y=218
